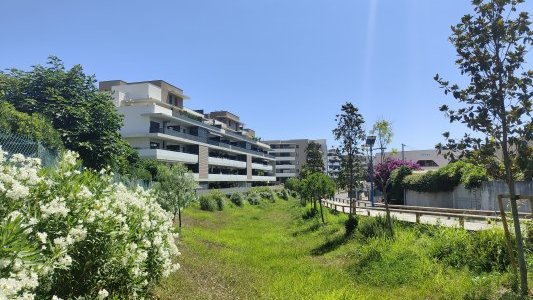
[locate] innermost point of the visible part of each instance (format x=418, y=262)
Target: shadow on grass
x=314, y=227
x=330, y=245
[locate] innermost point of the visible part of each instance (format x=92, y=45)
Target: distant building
x=427, y=159
x=216, y=147
x=334, y=163
x=290, y=156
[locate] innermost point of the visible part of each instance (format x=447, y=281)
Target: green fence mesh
x=13, y=143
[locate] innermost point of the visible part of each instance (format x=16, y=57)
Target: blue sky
x=285, y=67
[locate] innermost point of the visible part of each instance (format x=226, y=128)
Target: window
x=154, y=145
x=427, y=163
x=154, y=126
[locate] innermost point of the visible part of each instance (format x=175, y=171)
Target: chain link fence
x=14, y=143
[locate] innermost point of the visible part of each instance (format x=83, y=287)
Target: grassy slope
x=270, y=252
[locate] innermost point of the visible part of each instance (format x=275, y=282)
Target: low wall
x=484, y=198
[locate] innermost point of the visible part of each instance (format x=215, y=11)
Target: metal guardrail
x=418, y=212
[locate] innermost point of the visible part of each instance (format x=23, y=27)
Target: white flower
x=78, y=233
x=65, y=261
x=42, y=236
x=102, y=294
x=17, y=191
x=55, y=207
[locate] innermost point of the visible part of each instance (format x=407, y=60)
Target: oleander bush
x=73, y=233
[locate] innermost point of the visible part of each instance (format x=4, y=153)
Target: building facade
x=290, y=156
x=215, y=147
x=427, y=159
x=334, y=163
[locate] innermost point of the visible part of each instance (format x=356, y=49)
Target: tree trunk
x=179, y=216
x=350, y=184
x=321, y=212
x=387, y=213
x=516, y=221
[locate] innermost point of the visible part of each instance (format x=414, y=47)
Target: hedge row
x=447, y=178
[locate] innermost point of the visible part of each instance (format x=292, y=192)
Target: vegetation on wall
x=34, y=126
x=447, y=178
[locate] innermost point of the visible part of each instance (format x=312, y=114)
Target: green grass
x=270, y=252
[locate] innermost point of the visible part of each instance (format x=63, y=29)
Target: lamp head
x=370, y=140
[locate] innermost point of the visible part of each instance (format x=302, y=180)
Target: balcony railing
x=207, y=141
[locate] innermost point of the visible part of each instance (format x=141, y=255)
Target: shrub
x=77, y=234
x=236, y=198
x=396, y=186
x=482, y=251
x=373, y=227
x=350, y=225
x=253, y=199
x=218, y=198
x=207, y=203
x=267, y=195
x=309, y=214
x=447, y=178
x=283, y=194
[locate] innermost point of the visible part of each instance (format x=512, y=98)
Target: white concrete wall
x=484, y=198
x=138, y=91
x=141, y=143
x=134, y=121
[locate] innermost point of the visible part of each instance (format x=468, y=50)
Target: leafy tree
x=86, y=118
x=293, y=184
x=34, y=126
x=382, y=175
x=175, y=188
x=314, y=161
x=382, y=129
x=350, y=133
x=320, y=186
x=496, y=101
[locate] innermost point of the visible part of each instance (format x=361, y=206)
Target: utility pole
x=404, y=192
x=371, y=178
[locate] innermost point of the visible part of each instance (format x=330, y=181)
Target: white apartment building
x=334, y=163
x=215, y=147
x=290, y=156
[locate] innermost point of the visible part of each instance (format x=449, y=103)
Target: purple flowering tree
x=382, y=174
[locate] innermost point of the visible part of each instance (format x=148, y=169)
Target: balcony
x=262, y=167
x=138, y=91
x=226, y=177
x=207, y=141
x=227, y=162
x=168, y=155
x=283, y=167
x=284, y=158
x=285, y=174
x=264, y=178
x=282, y=150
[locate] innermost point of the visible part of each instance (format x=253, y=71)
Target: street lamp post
x=370, y=140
